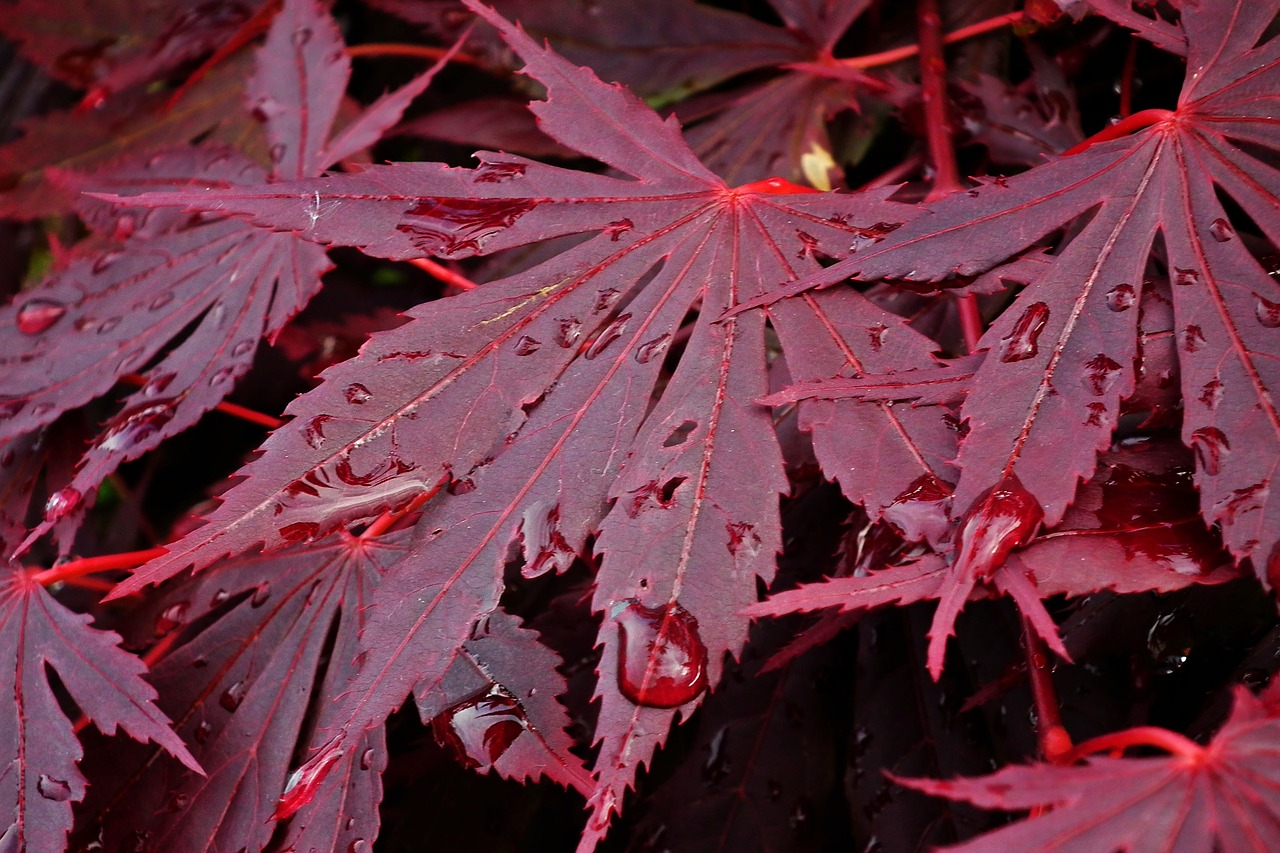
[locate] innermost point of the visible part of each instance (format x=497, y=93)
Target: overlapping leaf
x=1133, y=527
x=536, y=394
x=183, y=300
x=1219, y=797
x=40, y=750
x=1061, y=357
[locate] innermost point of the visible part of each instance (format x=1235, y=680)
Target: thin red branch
x=89, y=565
x=888, y=57
x=1054, y=741
x=1124, y=127
x=1153, y=736
x=388, y=519
x=1126, y=78
x=414, y=51
x=443, y=274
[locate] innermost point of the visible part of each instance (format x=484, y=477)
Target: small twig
x=233, y=409
x=1055, y=742
x=1124, y=127
x=388, y=519
x=1153, y=736
x=414, y=51
x=89, y=565
x=888, y=57
x=443, y=274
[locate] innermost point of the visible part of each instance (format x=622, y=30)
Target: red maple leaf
x=1061, y=357
x=1221, y=796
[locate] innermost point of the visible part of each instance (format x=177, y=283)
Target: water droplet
x=497, y=173
x=314, y=432
x=11, y=406
x=104, y=262
x=202, y=733
x=662, y=662
x=358, y=846
x=920, y=511
x=261, y=593
x=300, y=36
x=1121, y=297
x=1267, y=312
x=478, y=731
x=136, y=424
x=242, y=348
x=366, y=759
x=1100, y=374
x=1022, y=342
x=1255, y=679
x=655, y=348
x=617, y=228
x=37, y=315
x=542, y=544
x=568, y=331
x=171, y=617
x=876, y=334
x=161, y=300
x=457, y=227
x=303, y=783
x=219, y=598
x=7, y=458
x=1003, y=518
x=1210, y=445
x=808, y=245
x=606, y=299
x=125, y=225
x=357, y=394
x=527, y=345
x=178, y=802
x=608, y=335
x=61, y=503
x=1192, y=338
x=277, y=153
x=53, y=789
x=233, y=696
x=108, y=325
x=1221, y=230
x=1186, y=278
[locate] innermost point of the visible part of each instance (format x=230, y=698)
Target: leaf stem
x=388, y=519
x=1124, y=127
x=1051, y=734
x=415, y=51
x=1154, y=736
x=1126, y=78
x=443, y=274
x=888, y=57
x=88, y=565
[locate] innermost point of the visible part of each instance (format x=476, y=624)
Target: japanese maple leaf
x=674, y=51
x=1061, y=357
x=1216, y=797
x=566, y=400
x=1132, y=528
x=40, y=748
x=185, y=298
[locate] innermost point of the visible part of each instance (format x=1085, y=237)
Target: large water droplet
x=136, y=424
x=608, y=335
x=478, y=731
x=655, y=348
x=919, y=512
x=37, y=315
x=53, y=789
x=1267, y=312
x=455, y=227
x=233, y=696
x=1003, y=518
x=61, y=503
x=497, y=173
x=1121, y=297
x=1023, y=341
x=303, y=783
x=1221, y=230
x=172, y=617
x=662, y=662
x=314, y=432
x=202, y=733
x=357, y=394
x=541, y=542
x=568, y=331
x=527, y=345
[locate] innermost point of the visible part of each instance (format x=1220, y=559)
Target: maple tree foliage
x=716, y=338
